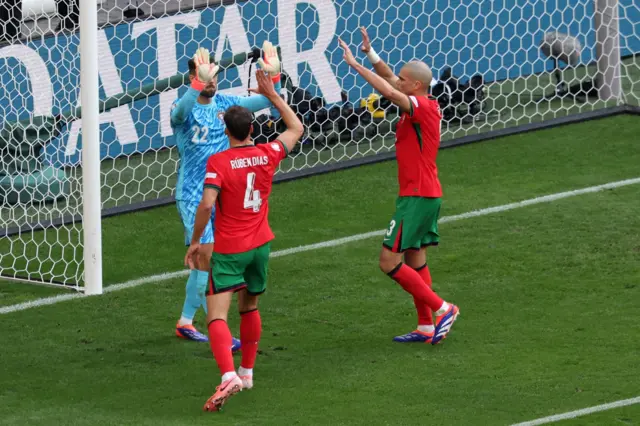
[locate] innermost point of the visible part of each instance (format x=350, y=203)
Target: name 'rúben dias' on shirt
x=240, y=163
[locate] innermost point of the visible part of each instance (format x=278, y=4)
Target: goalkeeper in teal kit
x=197, y=121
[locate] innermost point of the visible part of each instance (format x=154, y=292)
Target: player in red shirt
x=238, y=182
x=414, y=225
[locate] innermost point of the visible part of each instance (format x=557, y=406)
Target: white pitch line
x=331, y=243
x=583, y=412
x=64, y=297
x=40, y=302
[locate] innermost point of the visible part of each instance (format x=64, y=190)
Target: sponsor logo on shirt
x=211, y=176
x=276, y=147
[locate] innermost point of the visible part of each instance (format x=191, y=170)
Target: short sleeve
x=276, y=150
x=213, y=175
x=415, y=105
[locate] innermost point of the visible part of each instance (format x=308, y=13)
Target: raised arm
x=257, y=102
x=294, y=131
x=183, y=107
x=380, y=84
x=381, y=68
x=269, y=63
x=204, y=72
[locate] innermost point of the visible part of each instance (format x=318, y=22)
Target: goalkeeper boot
x=415, y=336
x=235, y=346
x=227, y=389
x=444, y=323
x=189, y=332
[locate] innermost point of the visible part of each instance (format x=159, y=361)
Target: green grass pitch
x=549, y=297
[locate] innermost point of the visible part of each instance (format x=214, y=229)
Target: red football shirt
x=417, y=143
x=243, y=177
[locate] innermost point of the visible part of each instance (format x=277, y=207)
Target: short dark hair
x=238, y=121
x=192, y=66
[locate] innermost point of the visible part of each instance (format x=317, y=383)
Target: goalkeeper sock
x=198, y=84
x=191, y=301
x=220, y=341
x=413, y=284
x=425, y=315
x=250, y=331
x=202, y=281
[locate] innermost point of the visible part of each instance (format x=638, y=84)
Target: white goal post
x=63, y=166
x=91, y=200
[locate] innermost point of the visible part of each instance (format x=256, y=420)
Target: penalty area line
x=325, y=244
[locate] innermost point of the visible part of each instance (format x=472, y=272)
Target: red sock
x=221, y=341
x=250, y=330
x=425, y=314
x=413, y=284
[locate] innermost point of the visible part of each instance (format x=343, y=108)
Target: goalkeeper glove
x=205, y=70
x=270, y=62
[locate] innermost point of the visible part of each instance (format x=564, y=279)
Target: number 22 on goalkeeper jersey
x=243, y=177
x=198, y=137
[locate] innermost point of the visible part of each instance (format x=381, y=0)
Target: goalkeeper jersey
x=199, y=136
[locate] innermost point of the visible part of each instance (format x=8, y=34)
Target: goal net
x=497, y=65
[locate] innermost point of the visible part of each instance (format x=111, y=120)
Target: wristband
x=373, y=56
x=197, y=84
x=274, y=78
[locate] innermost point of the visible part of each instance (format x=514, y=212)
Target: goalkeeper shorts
x=187, y=211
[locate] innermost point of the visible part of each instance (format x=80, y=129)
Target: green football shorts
x=233, y=272
x=414, y=224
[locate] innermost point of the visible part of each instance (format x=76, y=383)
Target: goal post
x=91, y=200
x=608, y=49
x=84, y=115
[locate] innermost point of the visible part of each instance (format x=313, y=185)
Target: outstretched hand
x=366, y=41
x=348, y=56
x=265, y=85
x=270, y=61
x=205, y=69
